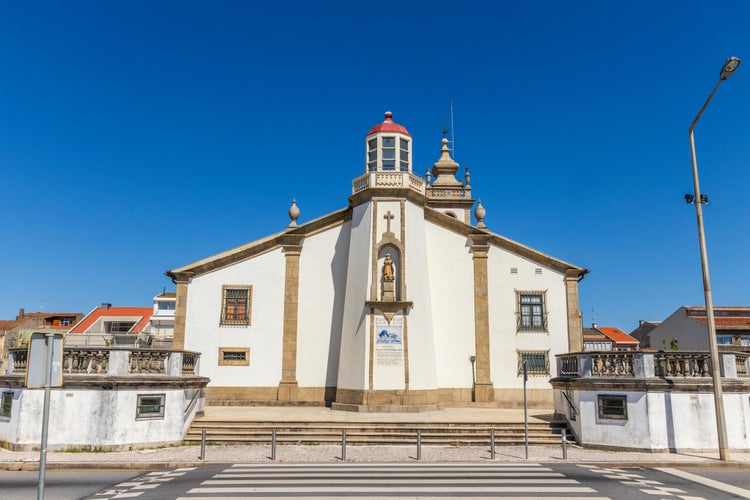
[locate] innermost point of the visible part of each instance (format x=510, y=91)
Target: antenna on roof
x=453, y=133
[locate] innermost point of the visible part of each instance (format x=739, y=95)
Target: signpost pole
x=49, y=337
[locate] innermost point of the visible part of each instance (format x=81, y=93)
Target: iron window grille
x=6, y=404
x=150, y=406
x=612, y=407
x=531, y=311
x=236, y=303
x=537, y=362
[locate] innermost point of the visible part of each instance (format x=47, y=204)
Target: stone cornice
x=632, y=384
x=71, y=380
x=387, y=192
x=292, y=236
x=476, y=235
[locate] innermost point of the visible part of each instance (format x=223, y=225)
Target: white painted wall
x=451, y=281
x=355, y=331
x=322, y=288
x=96, y=417
x=659, y=421
x=690, y=333
x=505, y=340
x=422, y=357
x=264, y=336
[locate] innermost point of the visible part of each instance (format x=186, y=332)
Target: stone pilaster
x=575, y=328
x=483, y=388
x=180, y=311
x=288, y=388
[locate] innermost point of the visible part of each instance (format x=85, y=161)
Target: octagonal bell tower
x=382, y=367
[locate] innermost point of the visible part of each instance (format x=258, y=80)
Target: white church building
x=396, y=302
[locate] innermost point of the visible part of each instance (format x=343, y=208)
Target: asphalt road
x=403, y=480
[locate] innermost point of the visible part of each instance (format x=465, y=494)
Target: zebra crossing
x=365, y=481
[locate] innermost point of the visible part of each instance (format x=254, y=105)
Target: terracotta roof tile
x=141, y=314
x=724, y=321
x=9, y=324
x=617, y=335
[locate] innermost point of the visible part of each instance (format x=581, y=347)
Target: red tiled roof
x=9, y=324
x=617, y=335
x=47, y=315
x=140, y=314
x=724, y=321
x=389, y=126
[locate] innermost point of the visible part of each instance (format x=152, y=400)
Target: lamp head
x=730, y=66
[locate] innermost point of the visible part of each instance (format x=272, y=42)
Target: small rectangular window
x=404, y=144
x=537, y=362
x=234, y=356
x=66, y=321
x=6, y=404
x=150, y=406
x=236, y=304
x=612, y=407
x=389, y=142
x=118, y=326
x=372, y=144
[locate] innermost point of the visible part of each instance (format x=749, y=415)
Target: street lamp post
x=730, y=66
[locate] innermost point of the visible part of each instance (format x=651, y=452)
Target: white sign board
x=36, y=365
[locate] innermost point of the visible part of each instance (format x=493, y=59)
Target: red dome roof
x=389, y=126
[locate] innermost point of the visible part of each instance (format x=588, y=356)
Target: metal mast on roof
x=453, y=133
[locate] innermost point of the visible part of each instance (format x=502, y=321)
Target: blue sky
x=137, y=137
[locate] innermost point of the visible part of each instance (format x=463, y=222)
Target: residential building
x=116, y=325
x=643, y=333
x=396, y=302
x=162, y=317
x=16, y=333
x=686, y=329
x=607, y=338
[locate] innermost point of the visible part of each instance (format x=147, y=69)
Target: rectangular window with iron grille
x=234, y=356
x=612, y=407
x=537, y=362
x=6, y=404
x=236, y=304
x=532, y=315
x=150, y=406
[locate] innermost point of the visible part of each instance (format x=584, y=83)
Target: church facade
x=396, y=302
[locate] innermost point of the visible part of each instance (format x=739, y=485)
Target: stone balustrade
x=388, y=180
x=83, y=361
x=648, y=364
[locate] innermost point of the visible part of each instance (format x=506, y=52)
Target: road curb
x=151, y=466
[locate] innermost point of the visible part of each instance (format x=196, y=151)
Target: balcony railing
x=85, y=361
x=394, y=179
x=646, y=364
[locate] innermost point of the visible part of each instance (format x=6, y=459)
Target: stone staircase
x=375, y=433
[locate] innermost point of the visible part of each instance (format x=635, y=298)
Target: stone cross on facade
x=388, y=218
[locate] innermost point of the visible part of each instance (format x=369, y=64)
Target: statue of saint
x=388, y=272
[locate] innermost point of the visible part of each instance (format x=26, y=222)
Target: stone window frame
x=535, y=371
x=544, y=328
x=608, y=411
x=223, y=351
x=6, y=404
x=247, y=321
x=143, y=409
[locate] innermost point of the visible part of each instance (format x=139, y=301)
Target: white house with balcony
x=162, y=319
x=396, y=302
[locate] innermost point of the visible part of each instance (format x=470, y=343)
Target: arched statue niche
x=389, y=276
